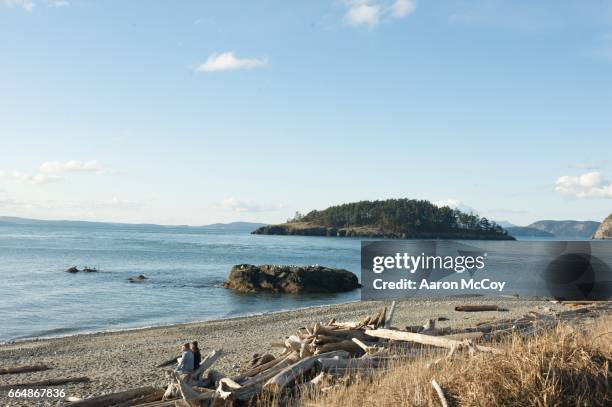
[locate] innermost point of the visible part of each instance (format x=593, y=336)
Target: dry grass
x=568, y=366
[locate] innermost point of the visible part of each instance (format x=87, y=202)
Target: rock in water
x=290, y=279
x=72, y=269
x=138, y=278
x=605, y=229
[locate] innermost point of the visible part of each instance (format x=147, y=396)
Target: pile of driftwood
x=320, y=357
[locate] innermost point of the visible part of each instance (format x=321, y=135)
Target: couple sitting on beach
x=190, y=358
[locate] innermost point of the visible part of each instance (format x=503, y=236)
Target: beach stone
x=248, y=278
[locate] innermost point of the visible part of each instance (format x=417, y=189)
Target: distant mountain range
x=556, y=228
x=567, y=228
x=14, y=221
x=526, y=231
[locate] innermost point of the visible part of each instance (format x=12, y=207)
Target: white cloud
x=363, y=14
x=589, y=185
x=403, y=8
x=58, y=3
x=455, y=204
x=27, y=5
x=228, y=61
x=23, y=178
x=72, y=166
x=236, y=205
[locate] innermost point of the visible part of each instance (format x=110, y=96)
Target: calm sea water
x=185, y=267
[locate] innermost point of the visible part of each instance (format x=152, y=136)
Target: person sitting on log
x=185, y=362
x=197, y=357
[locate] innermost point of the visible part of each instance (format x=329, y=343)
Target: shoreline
x=124, y=359
x=170, y=325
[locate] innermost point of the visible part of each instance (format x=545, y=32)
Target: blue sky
x=198, y=112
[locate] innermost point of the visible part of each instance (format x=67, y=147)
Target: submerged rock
x=605, y=229
x=90, y=270
x=138, y=278
x=290, y=279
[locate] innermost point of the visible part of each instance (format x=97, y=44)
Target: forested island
x=391, y=218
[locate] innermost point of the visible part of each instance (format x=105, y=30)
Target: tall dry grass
x=567, y=366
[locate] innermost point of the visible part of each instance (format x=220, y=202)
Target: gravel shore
x=117, y=361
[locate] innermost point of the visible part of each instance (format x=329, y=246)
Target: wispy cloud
x=73, y=166
x=24, y=178
x=363, y=14
x=370, y=13
x=237, y=205
x=58, y=3
x=589, y=185
x=51, y=171
x=27, y=5
x=403, y=8
x=227, y=61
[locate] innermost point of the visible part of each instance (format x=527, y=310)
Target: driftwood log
x=23, y=369
x=477, y=308
x=438, y=341
x=141, y=394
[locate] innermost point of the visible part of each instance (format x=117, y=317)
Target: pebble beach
x=121, y=360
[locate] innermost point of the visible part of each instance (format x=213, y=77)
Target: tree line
x=409, y=216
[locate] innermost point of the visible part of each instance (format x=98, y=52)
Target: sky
x=196, y=112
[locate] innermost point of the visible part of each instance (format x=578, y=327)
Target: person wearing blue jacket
x=185, y=362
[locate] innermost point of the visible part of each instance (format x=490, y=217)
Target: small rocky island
x=392, y=218
x=248, y=278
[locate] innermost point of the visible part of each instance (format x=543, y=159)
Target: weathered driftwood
x=168, y=362
x=126, y=398
x=346, y=345
x=190, y=395
x=258, y=369
x=476, y=308
x=333, y=364
x=389, y=318
x=164, y=403
x=205, y=364
x=438, y=341
x=23, y=369
x=465, y=335
x=47, y=383
x=366, y=348
x=289, y=374
x=292, y=372
x=440, y=393
x=213, y=377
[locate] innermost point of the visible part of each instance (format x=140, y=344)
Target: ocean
x=184, y=266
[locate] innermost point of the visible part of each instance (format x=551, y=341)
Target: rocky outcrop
x=605, y=229
x=290, y=279
x=75, y=269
